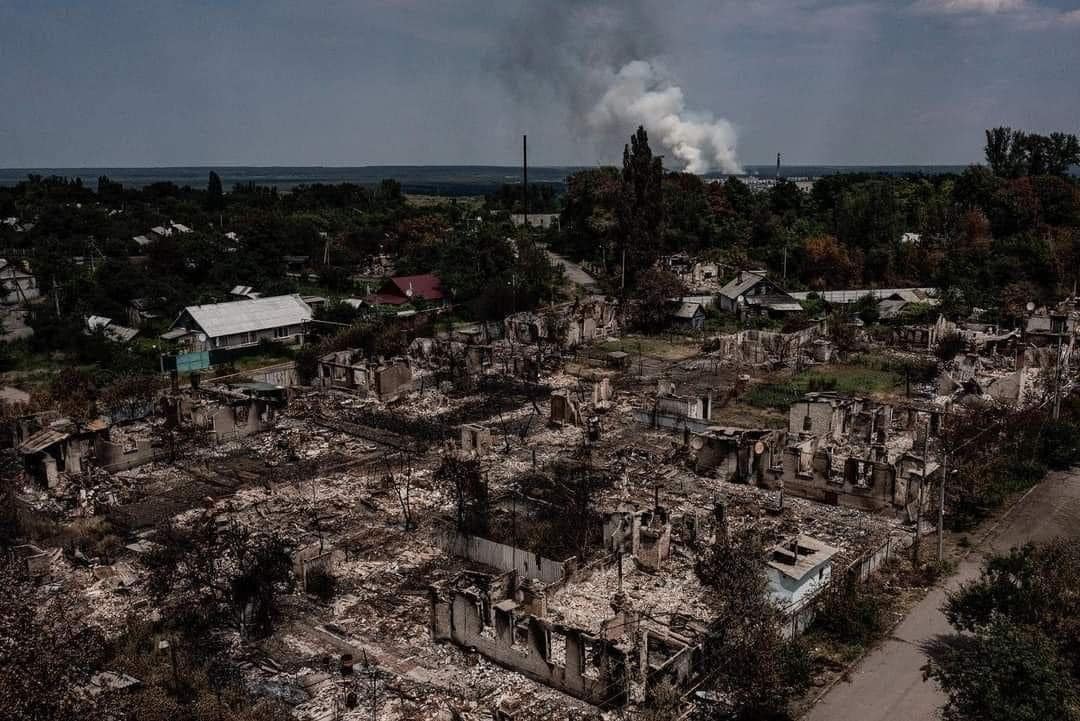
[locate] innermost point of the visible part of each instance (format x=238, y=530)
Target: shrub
x=322, y=584
x=855, y=615
x=949, y=346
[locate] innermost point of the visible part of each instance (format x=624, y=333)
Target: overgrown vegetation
x=1020, y=655
x=987, y=237
x=754, y=669
x=847, y=379
x=997, y=453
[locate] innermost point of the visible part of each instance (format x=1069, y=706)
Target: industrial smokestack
x=778, y=166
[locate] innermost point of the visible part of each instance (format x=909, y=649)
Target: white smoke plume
x=597, y=59
x=640, y=93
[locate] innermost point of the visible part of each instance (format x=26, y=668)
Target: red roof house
x=406, y=288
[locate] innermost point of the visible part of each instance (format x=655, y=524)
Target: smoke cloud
x=598, y=59
x=639, y=93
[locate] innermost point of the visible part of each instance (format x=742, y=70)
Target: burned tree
x=465, y=481
x=205, y=575
x=402, y=484
x=130, y=396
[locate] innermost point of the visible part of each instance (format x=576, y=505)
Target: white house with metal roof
x=798, y=568
x=238, y=323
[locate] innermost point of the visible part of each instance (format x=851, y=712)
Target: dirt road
x=574, y=272
x=888, y=684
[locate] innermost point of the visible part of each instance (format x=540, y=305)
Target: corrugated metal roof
x=244, y=316
x=783, y=303
x=743, y=282
x=811, y=554
x=686, y=310
x=426, y=286
x=41, y=440
x=837, y=297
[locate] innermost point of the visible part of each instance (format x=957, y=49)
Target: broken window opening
x=557, y=650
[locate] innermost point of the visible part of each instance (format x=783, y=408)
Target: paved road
x=574, y=272
x=888, y=683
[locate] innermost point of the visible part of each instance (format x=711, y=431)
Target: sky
x=119, y=83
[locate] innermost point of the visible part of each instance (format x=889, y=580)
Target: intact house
x=752, y=294
x=240, y=323
x=17, y=285
x=405, y=289
x=687, y=315
x=798, y=568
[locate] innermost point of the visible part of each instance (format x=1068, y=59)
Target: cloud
x=988, y=7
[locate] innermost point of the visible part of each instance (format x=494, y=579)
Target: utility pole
x=525, y=183
x=622, y=283
x=922, y=485
x=1057, y=382
x=941, y=489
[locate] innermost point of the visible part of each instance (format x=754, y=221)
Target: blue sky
x=360, y=82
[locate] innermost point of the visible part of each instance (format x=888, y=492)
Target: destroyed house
x=923, y=336
x=676, y=412
x=509, y=621
x=113, y=331
x=1046, y=329
x=350, y=370
x=505, y=623
x=17, y=286
x=239, y=323
x=566, y=324
x=826, y=415
x=61, y=447
x=853, y=452
x=144, y=311
x=863, y=478
x=227, y=412
x=735, y=454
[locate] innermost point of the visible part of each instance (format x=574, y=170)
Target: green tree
x=748, y=660
x=656, y=288
x=640, y=212
x=1005, y=672
x=215, y=195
